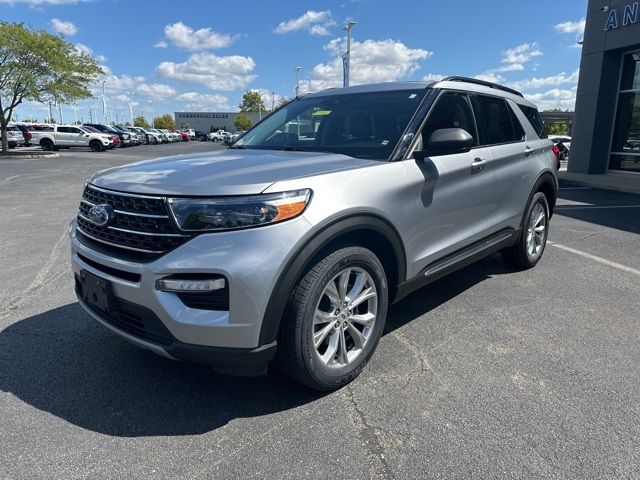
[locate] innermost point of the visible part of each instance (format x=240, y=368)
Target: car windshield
x=91, y=129
x=361, y=125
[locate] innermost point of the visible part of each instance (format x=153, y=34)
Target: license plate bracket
x=97, y=292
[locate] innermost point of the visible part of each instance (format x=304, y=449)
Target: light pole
x=130, y=107
x=92, y=116
x=75, y=113
x=298, y=81
x=153, y=115
x=104, y=102
x=60, y=112
x=50, y=113
x=347, y=58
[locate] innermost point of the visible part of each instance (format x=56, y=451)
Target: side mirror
x=445, y=141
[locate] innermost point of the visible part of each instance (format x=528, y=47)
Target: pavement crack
x=369, y=437
x=43, y=278
x=423, y=362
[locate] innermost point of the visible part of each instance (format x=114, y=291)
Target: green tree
x=141, y=122
x=243, y=122
x=38, y=66
x=251, y=102
x=165, y=121
x=49, y=120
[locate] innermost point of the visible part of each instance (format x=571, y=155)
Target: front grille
x=140, y=230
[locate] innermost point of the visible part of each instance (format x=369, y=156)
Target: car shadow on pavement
x=63, y=362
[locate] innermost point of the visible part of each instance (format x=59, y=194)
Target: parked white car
x=191, y=132
x=66, y=136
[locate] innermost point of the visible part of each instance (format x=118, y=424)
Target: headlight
x=228, y=213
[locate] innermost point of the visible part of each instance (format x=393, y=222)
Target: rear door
x=62, y=136
x=77, y=138
x=504, y=137
x=452, y=195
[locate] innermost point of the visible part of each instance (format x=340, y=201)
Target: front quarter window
x=362, y=125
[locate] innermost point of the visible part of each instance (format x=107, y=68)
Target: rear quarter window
x=534, y=119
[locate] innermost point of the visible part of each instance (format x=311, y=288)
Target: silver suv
x=291, y=244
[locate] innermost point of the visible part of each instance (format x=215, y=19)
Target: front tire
x=95, y=146
x=528, y=250
x=335, y=319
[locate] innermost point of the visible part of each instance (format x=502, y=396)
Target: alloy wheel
x=536, y=231
x=344, y=317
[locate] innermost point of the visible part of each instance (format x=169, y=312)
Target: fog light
x=181, y=286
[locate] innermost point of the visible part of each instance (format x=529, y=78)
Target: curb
x=29, y=156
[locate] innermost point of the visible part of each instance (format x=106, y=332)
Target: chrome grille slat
x=141, y=224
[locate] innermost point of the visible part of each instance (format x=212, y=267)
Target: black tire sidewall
x=537, y=198
x=322, y=375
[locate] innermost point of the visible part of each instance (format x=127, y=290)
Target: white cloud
x=371, y=61
x=571, y=27
x=161, y=44
x=513, y=60
x=555, y=98
x=520, y=54
x=490, y=76
x=64, y=27
x=117, y=85
x=204, y=102
x=183, y=36
x=82, y=48
x=551, y=81
x=217, y=73
x=315, y=22
x=433, y=77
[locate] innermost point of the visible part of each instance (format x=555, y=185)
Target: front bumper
x=251, y=260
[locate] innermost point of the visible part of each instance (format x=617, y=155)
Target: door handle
x=478, y=164
x=528, y=151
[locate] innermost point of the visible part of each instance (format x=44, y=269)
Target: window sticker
x=322, y=113
x=413, y=95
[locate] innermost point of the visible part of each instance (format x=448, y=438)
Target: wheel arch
x=365, y=229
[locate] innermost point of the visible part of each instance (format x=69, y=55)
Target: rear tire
x=528, y=249
x=46, y=145
x=335, y=319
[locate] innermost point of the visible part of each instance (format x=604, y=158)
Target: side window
x=453, y=110
x=497, y=123
x=63, y=129
x=534, y=119
x=74, y=130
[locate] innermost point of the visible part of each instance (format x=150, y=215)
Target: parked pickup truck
x=65, y=136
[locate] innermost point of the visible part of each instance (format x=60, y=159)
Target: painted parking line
x=592, y=207
x=595, y=258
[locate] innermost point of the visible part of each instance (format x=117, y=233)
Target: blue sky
x=202, y=55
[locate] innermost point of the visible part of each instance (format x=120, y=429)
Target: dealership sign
x=630, y=14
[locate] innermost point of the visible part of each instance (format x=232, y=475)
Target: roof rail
x=482, y=82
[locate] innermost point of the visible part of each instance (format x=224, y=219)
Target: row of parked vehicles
x=220, y=136
x=96, y=136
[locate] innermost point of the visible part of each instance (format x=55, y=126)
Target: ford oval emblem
x=101, y=215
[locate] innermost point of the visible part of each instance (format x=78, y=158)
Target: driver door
x=453, y=195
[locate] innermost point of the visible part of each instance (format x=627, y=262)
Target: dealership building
x=606, y=129
x=204, y=121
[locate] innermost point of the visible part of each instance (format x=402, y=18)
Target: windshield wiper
x=239, y=147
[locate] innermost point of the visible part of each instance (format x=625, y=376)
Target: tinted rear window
x=534, y=119
x=498, y=124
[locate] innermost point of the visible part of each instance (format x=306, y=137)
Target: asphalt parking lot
x=487, y=373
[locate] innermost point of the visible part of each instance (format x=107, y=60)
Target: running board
x=458, y=260
x=464, y=254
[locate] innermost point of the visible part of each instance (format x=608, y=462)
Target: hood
x=225, y=172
